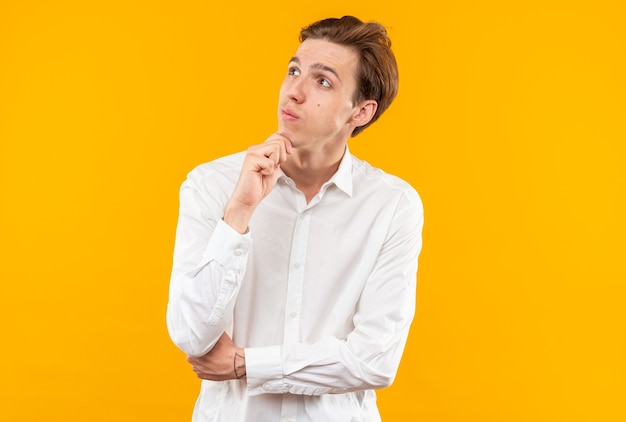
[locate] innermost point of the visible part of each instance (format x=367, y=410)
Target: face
x=315, y=105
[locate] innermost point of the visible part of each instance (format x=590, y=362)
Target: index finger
x=283, y=144
x=288, y=143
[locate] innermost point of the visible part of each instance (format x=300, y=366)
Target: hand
x=223, y=362
x=258, y=176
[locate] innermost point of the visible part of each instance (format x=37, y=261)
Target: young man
x=294, y=277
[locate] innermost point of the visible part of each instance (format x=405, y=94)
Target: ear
x=364, y=113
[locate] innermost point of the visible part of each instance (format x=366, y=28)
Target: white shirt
x=321, y=294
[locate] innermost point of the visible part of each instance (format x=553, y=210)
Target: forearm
x=328, y=367
x=198, y=315
x=202, y=297
x=238, y=216
x=368, y=356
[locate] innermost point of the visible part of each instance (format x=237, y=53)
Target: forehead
x=314, y=52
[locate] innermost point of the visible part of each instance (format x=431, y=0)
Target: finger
x=277, y=153
x=269, y=149
x=284, y=144
x=266, y=166
x=287, y=141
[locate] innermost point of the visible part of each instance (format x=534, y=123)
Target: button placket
x=296, y=278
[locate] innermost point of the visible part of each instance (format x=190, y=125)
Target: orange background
x=510, y=122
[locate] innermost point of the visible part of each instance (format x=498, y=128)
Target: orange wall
x=510, y=122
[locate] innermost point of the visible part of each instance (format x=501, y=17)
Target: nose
x=294, y=90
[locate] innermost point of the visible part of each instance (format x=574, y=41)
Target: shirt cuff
x=228, y=247
x=264, y=370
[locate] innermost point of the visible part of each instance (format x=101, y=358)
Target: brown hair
x=377, y=76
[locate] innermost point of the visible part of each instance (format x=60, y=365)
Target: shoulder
x=220, y=167
x=371, y=180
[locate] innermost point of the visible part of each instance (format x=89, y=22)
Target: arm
x=210, y=253
x=209, y=262
x=370, y=355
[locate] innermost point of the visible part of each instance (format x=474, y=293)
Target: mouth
x=287, y=114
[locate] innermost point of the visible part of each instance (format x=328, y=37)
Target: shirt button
x=293, y=314
x=297, y=265
x=238, y=252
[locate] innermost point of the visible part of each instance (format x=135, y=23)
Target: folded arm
x=209, y=262
x=368, y=358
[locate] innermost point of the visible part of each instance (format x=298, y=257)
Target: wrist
x=238, y=216
x=239, y=363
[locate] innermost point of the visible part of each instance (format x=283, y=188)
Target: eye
x=324, y=82
x=293, y=71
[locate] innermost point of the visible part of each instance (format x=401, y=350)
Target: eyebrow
x=319, y=66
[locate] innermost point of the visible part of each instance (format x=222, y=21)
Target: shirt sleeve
x=210, y=259
x=370, y=355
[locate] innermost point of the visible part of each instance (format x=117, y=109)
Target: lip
x=287, y=114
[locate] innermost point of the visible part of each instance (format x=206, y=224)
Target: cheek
x=333, y=115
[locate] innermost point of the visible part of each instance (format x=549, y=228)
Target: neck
x=311, y=169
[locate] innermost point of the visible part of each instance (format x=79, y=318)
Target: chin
x=294, y=141
x=289, y=134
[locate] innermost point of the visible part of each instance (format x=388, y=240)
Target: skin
x=316, y=116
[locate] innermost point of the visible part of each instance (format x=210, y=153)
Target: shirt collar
x=342, y=177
